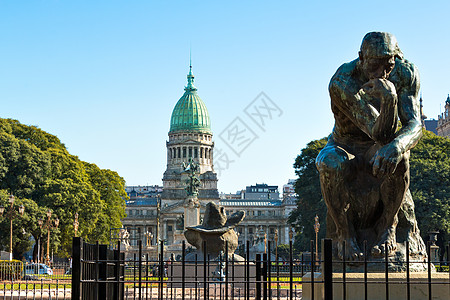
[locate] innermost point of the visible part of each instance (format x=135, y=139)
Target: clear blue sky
x=104, y=76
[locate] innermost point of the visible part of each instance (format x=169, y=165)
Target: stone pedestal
x=434, y=254
x=191, y=211
x=376, y=286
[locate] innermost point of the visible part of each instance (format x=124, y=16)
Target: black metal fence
x=22, y=280
x=100, y=273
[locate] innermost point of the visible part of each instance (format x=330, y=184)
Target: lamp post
x=158, y=217
x=316, y=229
x=48, y=225
x=265, y=243
x=40, y=222
x=75, y=224
x=276, y=244
x=11, y=214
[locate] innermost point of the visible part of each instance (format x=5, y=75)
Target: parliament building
x=156, y=213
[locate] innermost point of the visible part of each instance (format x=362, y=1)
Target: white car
x=38, y=269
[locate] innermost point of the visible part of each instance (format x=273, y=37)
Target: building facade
x=264, y=211
x=443, y=122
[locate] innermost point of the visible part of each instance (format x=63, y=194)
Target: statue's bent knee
x=332, y=160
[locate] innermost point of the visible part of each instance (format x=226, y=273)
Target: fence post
x=258, y=277
x=291, y=271
x=264, y=275
x=118, y=292
x=140, y=269
x=102, y=256
x=161, y=272
x=327, y=268
x=77, y=251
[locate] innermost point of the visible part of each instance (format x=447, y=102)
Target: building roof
x=250, y=203
x=190, y=113
x=147, y=201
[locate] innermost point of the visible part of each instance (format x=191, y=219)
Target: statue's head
x=378, y=53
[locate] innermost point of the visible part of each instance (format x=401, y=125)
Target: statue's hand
x=380, y=88
x=386, y=159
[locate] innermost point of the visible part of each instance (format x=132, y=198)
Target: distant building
x=429, y=125
x=443, y=122
x=289, y=191
x=141, y=210
x=261, y=192
x=263, y=210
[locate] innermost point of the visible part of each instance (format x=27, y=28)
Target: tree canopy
x=430, y=188
x=310, y=202
x=37, y=168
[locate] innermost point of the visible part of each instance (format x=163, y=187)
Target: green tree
x=430, y=185
x=310, y=202
x=21, y=239
x=37, y=168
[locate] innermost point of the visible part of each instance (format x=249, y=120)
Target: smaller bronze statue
x=217, y=230
x=193, y=183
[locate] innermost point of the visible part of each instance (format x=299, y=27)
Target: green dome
x=190, y=113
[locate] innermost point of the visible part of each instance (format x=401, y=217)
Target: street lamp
x=75, y=224
x=265, y=243
x=291, y=234
x=158, y=217
x=11, y=214
x=48, y=225
x=316, y=229
x=40, y=222
x=276, y=244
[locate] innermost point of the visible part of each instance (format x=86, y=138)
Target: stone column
x=164, y=230
x=245, y=234
x=286, y=234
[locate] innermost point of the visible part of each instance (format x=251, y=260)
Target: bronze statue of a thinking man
x=364, y=168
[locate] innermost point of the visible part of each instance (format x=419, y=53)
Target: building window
x=179, y=152
x=201, y=152
x=184, y=152
x=271, y=230
x=195, y=152
x=250, y=230
x=190, y=152
x=169, y=228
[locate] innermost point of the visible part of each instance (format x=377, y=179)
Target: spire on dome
x=190, y=77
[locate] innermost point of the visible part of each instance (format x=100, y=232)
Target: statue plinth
x=191, y=211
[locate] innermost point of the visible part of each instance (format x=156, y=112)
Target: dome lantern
x=190, y=113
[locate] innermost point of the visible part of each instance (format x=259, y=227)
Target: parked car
x=38, y=269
